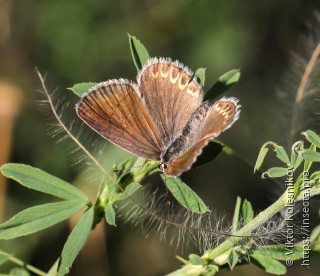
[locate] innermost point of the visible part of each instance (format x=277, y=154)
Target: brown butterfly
x=162, y=117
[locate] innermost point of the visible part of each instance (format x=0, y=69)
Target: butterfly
x=162, y=117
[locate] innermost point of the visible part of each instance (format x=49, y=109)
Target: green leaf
x=139, y=53
x=236, y=215
x=310, y=155
x=275, y=172
x=184, y=195
x=312, y=137
x=268, y=264
x=281, y=154
x=197, y=260
x=75, y=242
x=130, y=190
x=209, y=153
x=19, y=271
x=37, y=218
x=225, y=82
x=54, y=269
x=41, y=181
x=246, y=212
x=261, y=156
x=233, y=259
x=296, y=160
x=110, y=214
x=280, y=252
x=308, y=163
x=201, y=75
x=3, y=259
x=81, y=88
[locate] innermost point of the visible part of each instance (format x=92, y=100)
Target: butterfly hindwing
x=221, y=116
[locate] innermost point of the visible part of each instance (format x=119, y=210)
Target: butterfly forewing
x=114, y=110
x=171, y=93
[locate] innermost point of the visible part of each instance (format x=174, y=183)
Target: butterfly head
x=163, y=167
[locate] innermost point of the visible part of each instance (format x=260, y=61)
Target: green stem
x=261, y=218
x=23, y=264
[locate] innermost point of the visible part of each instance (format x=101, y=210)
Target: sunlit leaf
x=19, y=271
x=310, y=155
x=236, y=215
x=268, y=264
x=281, y=154
x=39, y=217
x=185, y=195
x=80, y=88
x=280, y=252
x=197, y=260
x=275, y=172
x=261, y=156
x=75, y=242
x=110, y=214
x=246, y=212
x=312, y=137
x=225, y=82
x=233, y=259
x=36, y=179
x=201, y=75
x=139, y=53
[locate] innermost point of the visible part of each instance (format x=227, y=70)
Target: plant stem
x=23, y=264
x=261, y=218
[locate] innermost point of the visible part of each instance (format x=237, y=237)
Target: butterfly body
x=162, y=117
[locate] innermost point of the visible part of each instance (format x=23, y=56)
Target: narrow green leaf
x=280, y=252
x=209, y=153
x=54, y=269
x=233, y=259
x=130, y=190
x=197, y=260
x=19, y=271
x=3, y=259
x=296, y=160
x=312, y=137
x=308, y=163
x=310, y=155
x=246, y=212
x=201, y=75
x=110, y=214
x=261, y=156
x=36, y=179
x=139, y=53
x=75, y=242
x=281, y=154
x=268, y=264
x=225, y=82
x=39, y=217
x=184, y=195
x=275, y=172
x=236, y=215
x=81, y=88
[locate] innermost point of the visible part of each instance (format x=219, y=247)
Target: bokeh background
x=80, y=41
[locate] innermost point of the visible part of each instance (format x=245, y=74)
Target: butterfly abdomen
x=180, y=144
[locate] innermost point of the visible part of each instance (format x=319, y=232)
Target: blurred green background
x=80, y=41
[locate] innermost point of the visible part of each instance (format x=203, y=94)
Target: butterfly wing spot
x=164, y=74
x=181, y=84
x=191, y=92
x=155, y=75
x=173, y=79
